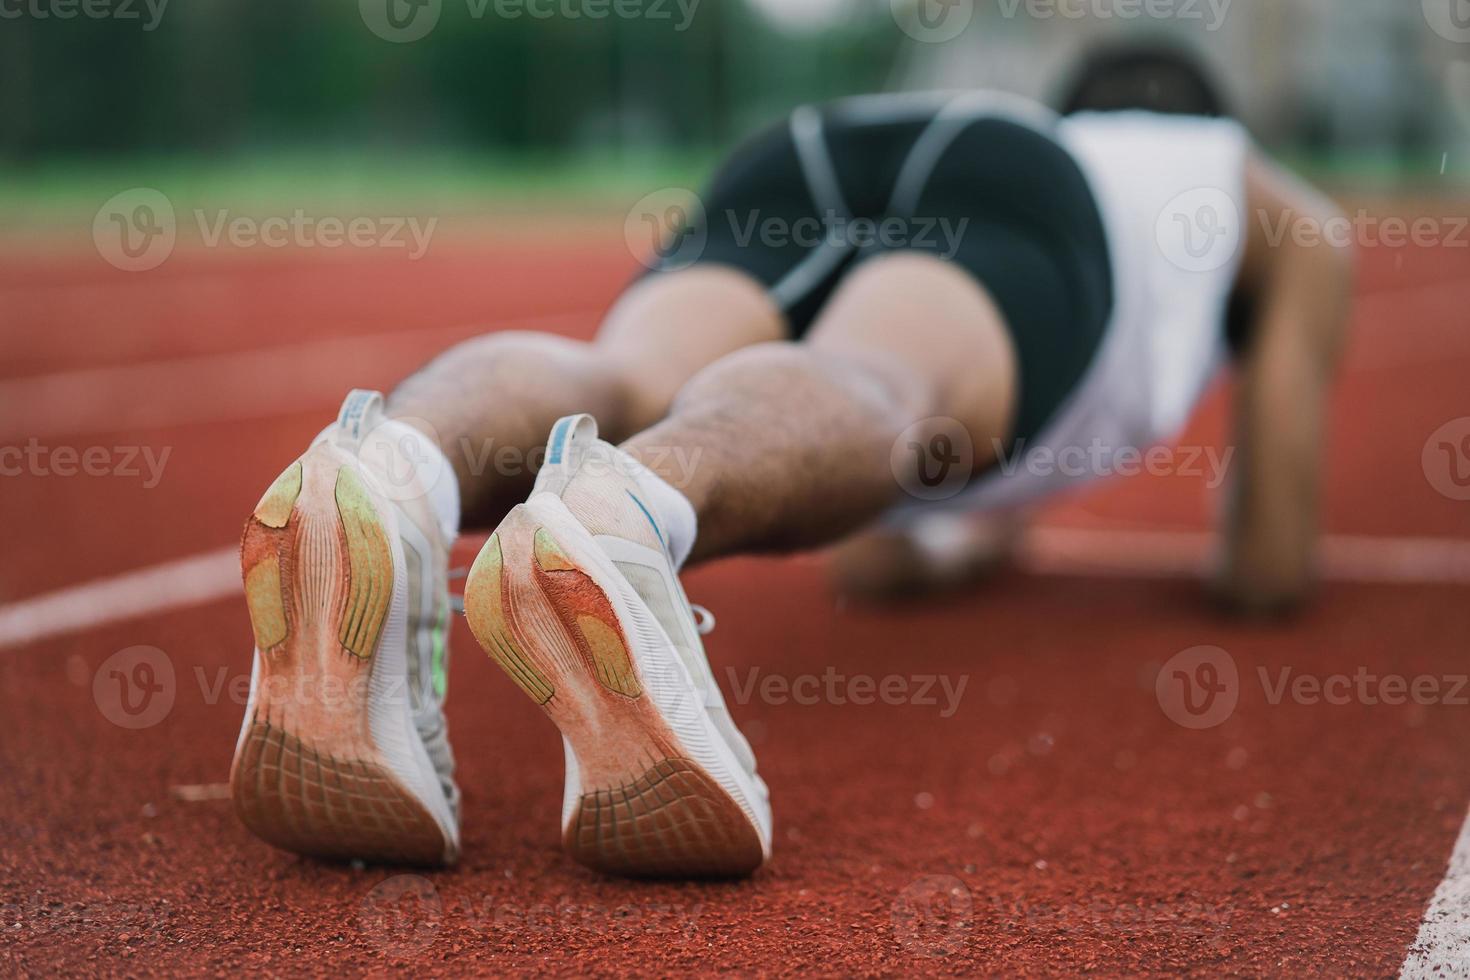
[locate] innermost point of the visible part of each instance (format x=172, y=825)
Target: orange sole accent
x=645, y=809
x=306, y=776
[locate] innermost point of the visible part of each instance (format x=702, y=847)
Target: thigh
x=1003, y=201
x=920, y=314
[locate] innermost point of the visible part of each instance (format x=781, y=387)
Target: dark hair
x=1155, y=77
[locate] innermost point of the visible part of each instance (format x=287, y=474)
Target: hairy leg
x=783, y=446
x=502, y=392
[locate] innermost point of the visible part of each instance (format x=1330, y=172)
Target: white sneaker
x=576, y=597
x=343, y=752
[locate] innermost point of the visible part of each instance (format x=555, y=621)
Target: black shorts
x=803, y=201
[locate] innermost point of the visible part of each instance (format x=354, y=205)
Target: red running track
x=1047, y=817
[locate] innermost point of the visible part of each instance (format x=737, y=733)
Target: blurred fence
x=86, y=79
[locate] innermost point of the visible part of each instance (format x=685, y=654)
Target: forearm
x=1285, y=380
x=1272, y=521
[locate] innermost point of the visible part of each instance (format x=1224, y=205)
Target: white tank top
x=1171, y=193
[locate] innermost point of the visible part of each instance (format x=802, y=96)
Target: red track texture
x=1048, y=817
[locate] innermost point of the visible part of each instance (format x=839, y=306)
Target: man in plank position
x=1067, y=309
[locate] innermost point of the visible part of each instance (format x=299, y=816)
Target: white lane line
x=231, y=387
x=1175, y=554
x=176, y=585
x=1442, y=948
x=132, y=595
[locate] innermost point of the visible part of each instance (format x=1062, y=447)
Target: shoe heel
x=307, y=776
x=644, y=807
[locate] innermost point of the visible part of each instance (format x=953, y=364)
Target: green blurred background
x=532, y=102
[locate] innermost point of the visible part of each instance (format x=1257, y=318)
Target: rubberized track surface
x=1055, y=820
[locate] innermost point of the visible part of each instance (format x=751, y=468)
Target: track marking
x=1059, y=551
x=132, y=595
x=1442, y=948
x=230, y=387
x=1180, y=554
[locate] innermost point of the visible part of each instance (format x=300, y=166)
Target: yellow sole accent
x=491, y=627
x=549, y=554
x=614, y=669
x=266, y=603
x=274, y=509
x=369, y=563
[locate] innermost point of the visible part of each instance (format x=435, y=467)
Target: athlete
x=763, y=392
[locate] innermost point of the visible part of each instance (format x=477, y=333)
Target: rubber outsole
x=645, y=808
x=307, y=776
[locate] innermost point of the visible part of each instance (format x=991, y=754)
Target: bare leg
x=501, y=393
x=794, y=440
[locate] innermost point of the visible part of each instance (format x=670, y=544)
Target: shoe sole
x=307, y=776
x=646, y=808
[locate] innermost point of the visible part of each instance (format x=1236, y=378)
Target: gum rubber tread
x=645, y=808
x=307, y=776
